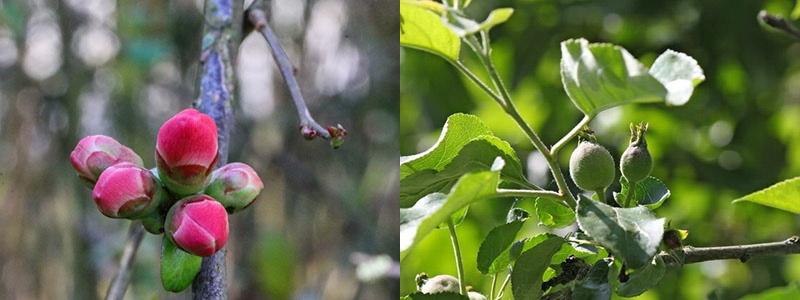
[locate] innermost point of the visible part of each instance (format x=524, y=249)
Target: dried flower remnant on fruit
x=636, y=162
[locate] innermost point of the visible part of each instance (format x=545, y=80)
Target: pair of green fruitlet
x=591, y=166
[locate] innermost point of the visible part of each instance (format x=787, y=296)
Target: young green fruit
x=591, y=166
x=438, y=284
x=636, y=162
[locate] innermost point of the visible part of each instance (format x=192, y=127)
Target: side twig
x=120, y=282
x=308, y=126
x=740, y=252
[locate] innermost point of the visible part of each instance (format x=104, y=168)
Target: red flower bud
x=186, y=151
x=126, y=190
x=235, y=185
x=95, y=153
x=198, y=225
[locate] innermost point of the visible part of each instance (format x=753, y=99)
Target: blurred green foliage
x=740, y=132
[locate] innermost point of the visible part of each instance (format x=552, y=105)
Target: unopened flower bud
x=337, y=135
x=198, y=225
x=308, y=132
x=186, y=151
x=95, y=153
x=235, y=185
x=126, y=190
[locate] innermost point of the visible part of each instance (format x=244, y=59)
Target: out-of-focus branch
x=779, y=23
x=120, y=282
x=308, y=126
x=217, y=87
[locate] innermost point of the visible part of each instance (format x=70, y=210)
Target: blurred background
x=73, y=68
x=739, y=133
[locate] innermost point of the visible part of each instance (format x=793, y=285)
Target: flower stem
x=457, y=254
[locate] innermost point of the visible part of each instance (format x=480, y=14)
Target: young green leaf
x=178, y=268
x=422, y=29
x=679, y=73
x=526, y=275
x=458, y=130
x=649, y=192
x=505, y=259
x=554, y=213
x=496, y=17
x=643, y=279
x=784, y=195
x=632, y=234
x=595, y=285
x=496, y=242
x=419, y=220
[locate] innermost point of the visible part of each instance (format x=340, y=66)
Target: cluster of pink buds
x=183, y=196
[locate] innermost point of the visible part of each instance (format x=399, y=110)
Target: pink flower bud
x=198, y=225
x=95, y=153
x=235, y=185
x=186, y=151
x=126, y=190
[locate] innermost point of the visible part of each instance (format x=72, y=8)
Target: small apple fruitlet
x=591, y=166
x=636, y=162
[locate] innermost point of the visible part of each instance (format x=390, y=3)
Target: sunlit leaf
x=430, y=211
x=600, y=76
x=422, y=29
x=632, y=234
x=554, y=213
x=784, y=195
x=526, y=275
x=679, y=73
x=496, y=17
x=464, y=146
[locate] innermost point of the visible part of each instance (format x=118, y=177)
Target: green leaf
x=595, y=285
x=526, y=276
x=496, y=17
x=416, y=222
x=649, y=192
x=679, y=73
x=423, y=29
x=178, y=268
x=554, y=213
x=643, y=279
x=600, y=76
x=497, y=242
x=632, y=234
x=784, y=195
x=505, y=259
x=437, y=296
x=465, y=145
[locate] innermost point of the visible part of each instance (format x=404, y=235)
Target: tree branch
x=741, y=252
x=120, y=283
x=217, y=87
x=308, y=126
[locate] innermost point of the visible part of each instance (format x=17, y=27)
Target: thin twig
x=570, y=135
x=528, y=193
x=779, y=23
x=502, y=289
x=740, y=252
x=120, y=283
x=457, y=254
x=309, y=127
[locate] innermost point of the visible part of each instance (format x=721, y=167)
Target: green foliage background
x=739, y=133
